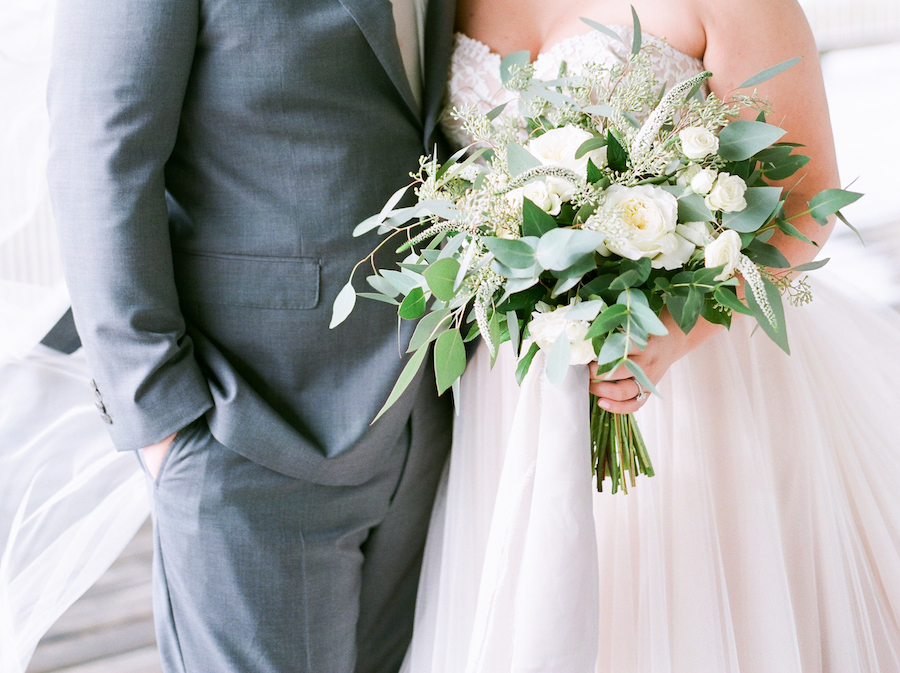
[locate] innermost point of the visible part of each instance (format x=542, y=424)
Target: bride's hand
x=618, y=390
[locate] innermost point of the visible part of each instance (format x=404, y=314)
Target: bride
x=769, y=541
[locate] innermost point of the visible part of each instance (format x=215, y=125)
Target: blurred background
x=860, y=45
x=110, y=629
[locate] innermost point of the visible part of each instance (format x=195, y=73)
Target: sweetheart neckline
x=575, y=37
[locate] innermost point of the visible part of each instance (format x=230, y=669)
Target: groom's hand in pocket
x=154, y=454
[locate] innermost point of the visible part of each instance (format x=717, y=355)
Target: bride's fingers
x=617, y=391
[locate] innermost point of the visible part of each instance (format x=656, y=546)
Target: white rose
x=547, y=325
x=687, y=174
x=540, y=193
x=649, y=215
x=703, y=181
x=557, y=147
x=698, y=142
x=726, y=249
x=727, y=194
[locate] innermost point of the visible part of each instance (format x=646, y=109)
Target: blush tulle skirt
x=767, y=542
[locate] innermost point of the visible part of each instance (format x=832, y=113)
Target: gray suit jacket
x=209, y=160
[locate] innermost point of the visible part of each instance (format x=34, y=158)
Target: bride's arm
x=742, y=39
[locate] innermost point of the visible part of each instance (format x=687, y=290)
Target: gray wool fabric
x=209, y=160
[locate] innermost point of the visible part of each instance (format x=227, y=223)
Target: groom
x=209, y=160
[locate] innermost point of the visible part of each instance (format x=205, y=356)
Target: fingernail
x=604, y=404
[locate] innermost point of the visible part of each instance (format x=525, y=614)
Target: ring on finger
x=642, y=394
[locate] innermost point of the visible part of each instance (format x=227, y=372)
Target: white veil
x=68, y=502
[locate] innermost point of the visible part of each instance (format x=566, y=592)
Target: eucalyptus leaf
x=787, y=167
x=812, y=266
x=441, y=278
x=517, y=59
x=382, y=285
x=640, y=376
x=636, y=43
x=692, y=208
x=557, y=363
x=512, y=326
x=791, y=230
x=761, y=204
x=769, y=73
x=514, y=253
x=563, y=285
x=614, y=348
x=404, y=282
x=453, y=245
x=829, y=201
x=608, y=320
x=377, y=296
x=519, y=159
x=343, y=305
x=429, y=328
x=406, y=376
x=414, y=305
x=525, y=363
x=742, y=138
x=559, y=248
x=586, y=310
x=648, y=320
x=375, y=221
x=449, y=359
x=590, y=145
x=603, y=29
x=728, y=299
x=767, y=255
x=493, y=114
x=601, y=110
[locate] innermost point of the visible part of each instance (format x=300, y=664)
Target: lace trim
x=475, y=70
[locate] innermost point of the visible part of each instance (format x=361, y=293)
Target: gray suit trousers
x=254, y=575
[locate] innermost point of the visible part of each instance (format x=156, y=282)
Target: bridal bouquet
x=571, y=235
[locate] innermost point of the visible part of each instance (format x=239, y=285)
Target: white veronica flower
x=726, y=249
x=548, y=324
x=698, y=142
x=727, y=194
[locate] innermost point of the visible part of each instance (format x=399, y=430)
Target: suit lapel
x=439, y=22
x=376, y=21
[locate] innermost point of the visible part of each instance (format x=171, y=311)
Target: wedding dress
x=68, y=502
x=767, y=542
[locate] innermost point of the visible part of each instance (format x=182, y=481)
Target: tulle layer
x=68, y=502
x=768, y=541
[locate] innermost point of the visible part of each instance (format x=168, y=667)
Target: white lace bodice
x=475, y=70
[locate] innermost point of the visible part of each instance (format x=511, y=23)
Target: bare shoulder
x=746, y=36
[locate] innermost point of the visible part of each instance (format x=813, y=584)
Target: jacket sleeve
x=119, y=73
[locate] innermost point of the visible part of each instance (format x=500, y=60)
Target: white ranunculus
x=703, y=181
x=727, y=194
x=557, y=147
x=698, y=142
x=548, y=324
x=725, y=249
x=539, y=193
x=648, y=214
x=696, y=232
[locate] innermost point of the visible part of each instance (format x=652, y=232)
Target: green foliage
x=449, y=359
